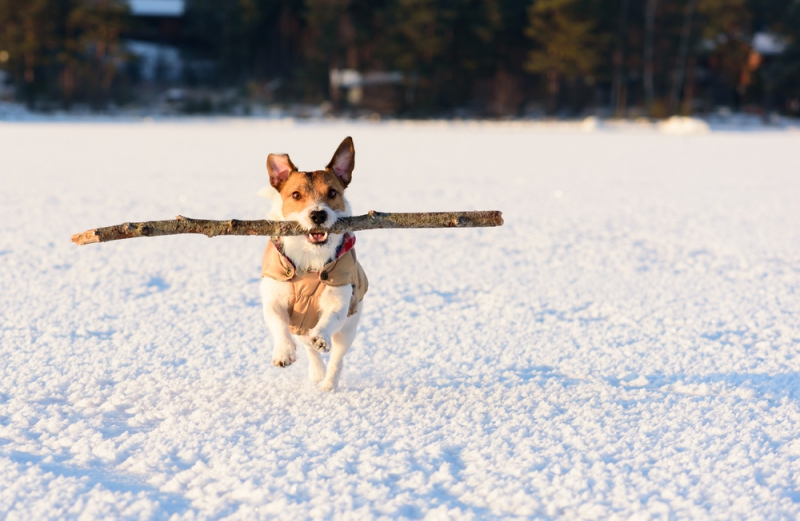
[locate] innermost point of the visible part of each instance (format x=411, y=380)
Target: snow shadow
x=542, y=373
x=155, y=284
x=746, y=385
x=97, y=476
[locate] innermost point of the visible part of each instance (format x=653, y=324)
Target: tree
x=91, y=55
x=786, y=71
x=566, y=46
x=649, y=44
x=27, y=36
x=63, y=48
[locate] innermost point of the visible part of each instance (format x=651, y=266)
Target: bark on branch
x=371, y=221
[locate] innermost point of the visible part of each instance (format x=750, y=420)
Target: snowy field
x=625, y=347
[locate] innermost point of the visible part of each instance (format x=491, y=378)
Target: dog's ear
x=279, y=167
x=344, y=160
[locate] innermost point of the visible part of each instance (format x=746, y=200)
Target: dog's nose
x=319, y=216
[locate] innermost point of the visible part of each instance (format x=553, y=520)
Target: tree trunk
x=334, y=90
x=683, y=53
x=619, y=92
x=649, y=41
x=553, y=86
x=371, y=221
x=689, y=90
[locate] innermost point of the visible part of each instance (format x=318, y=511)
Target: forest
x=413, y=58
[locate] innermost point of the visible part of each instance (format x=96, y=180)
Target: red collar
x=347, y=244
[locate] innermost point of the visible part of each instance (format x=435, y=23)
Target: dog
x=312, y=286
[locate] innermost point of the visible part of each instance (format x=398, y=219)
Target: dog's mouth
x=317, y=238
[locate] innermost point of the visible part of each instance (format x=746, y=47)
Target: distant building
x=157, y=20
x=154, y=36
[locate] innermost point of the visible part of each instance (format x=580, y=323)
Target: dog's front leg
x=333, y=306
x=275, y=299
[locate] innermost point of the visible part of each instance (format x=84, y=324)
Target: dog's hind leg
x=316, y=367
x=275, y=299
x=342, y=340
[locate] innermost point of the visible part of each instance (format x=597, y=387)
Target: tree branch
x=371, y=221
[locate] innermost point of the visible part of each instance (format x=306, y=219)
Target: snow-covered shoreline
x=735, y=122
x=624, y=347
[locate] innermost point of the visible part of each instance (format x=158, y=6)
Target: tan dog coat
x=308, y=287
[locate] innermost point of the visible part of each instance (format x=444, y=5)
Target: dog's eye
x=332, y=193
x=295, y=195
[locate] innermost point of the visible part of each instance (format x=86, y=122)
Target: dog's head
x=315, y=199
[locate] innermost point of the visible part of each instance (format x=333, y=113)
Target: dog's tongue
x=317, y=237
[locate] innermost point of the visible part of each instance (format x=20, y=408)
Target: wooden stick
x=371, y=221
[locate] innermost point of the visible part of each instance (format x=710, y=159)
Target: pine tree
x=27, y=39
x=566, y=45
x=63, y=49
x=90, y=54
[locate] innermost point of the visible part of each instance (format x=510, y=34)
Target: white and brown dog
x=312, y=285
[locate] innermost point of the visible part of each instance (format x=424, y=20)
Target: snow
x=684, y=125
x=157, y=7
x=623, y=348
x=769, y=44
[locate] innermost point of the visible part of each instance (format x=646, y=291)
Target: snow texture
x=625, y=347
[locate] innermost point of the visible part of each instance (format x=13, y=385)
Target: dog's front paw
x=284, y=356
x=320, y=343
